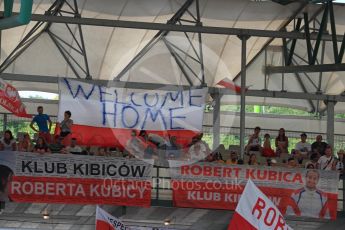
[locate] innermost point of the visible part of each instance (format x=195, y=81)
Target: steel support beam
x=330, y=122
x=152, y=86
x=305, y=68
x=178, y=28
x=243, y=92
x=216, y=119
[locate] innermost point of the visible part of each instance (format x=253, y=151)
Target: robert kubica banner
x=75, y=179
x=297, y=192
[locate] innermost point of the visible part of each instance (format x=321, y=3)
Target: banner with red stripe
x=297, y=192
x=10, y=100
x=105, y=221
x=106, y=115
x=74, y=179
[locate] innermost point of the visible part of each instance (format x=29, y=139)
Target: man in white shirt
x=303, y=146
x=327, y=161
x=73, y=147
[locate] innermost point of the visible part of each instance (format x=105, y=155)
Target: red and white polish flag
x=10, y=100
x=105, y=221
x=227, y=83
x=256, y=212
x=106, y=116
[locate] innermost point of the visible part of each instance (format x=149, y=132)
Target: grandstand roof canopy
x=109, y=49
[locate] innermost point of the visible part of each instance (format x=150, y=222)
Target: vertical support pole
x=243, y=92
x=330, y=122
x=199, y=23
x=216, y=119
x=265, y=87
x=5, y=122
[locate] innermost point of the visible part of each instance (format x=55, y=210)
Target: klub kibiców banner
x=75, y=179
x=297, y=192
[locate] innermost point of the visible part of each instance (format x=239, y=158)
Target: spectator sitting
x=240, y=162
x=73, y=148
x=252, y=160
x=173, y=150
x=267, y=151
x=7, y=143
x=25, y=144
x=281, y=142
x=254, y=142
x=56, y=146
x=233, y=159
x=102, y=151
x=271, y=162
x=87, y=151
x=135, y=146
x=291, y=163
x=197, y=152
x=312, y=164
x=41, y=120
x=66, y=124
x=217, y=156
x=149, y=148
x=319, y=145
x=303, y=147
x=41, y=146
x=340, y=164
x=327, y=161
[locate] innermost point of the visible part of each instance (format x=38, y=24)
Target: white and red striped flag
x=10, y=100
x=105, y=221
x=229, y=84
x=256, y=212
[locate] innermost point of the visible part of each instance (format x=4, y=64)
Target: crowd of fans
x=318, y=155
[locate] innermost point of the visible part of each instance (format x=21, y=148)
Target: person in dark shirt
x=319, y=146
x=42, y=120
x=56, y=146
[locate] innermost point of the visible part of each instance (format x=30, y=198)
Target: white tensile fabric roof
x=109, y=50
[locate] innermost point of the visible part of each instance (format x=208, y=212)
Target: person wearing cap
x=327, y=161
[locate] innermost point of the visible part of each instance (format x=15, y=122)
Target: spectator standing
x=42, y=120
x=319, y=146
x=66, y=124
x=281, y=142
x=327, y=161
x=8, y=143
